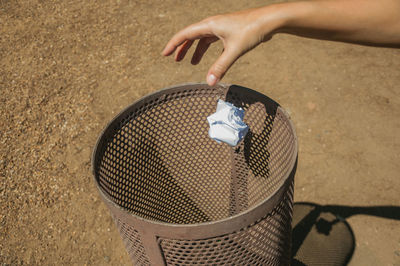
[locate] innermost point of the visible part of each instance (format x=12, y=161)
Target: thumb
x=219, y=68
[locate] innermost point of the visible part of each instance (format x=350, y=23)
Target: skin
x=365, y=22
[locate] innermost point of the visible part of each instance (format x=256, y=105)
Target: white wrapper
x=226, y=124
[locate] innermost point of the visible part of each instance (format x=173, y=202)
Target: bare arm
x=368, y=22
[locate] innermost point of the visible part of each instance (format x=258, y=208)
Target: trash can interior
x=156, y=160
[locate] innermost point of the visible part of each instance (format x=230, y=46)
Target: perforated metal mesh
x=265, y=242
x=133, y=242
x=156, y=161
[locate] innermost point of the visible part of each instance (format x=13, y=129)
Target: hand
x=239, y=33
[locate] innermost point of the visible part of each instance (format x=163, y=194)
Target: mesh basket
x=180, y=198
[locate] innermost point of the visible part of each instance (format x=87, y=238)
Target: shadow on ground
x=321, y=235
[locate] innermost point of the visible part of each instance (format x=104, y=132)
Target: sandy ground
x=67, y=67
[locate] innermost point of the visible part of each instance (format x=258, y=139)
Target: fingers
x=201, y=48
x=183, y=40
x=219, y=68
x=182, y=50
x=192, y=32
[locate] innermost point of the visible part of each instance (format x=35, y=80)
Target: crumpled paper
x=226, y=124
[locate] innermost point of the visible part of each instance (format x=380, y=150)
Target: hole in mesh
x=161, y=165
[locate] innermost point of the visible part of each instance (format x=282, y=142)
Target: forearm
x=369, y=22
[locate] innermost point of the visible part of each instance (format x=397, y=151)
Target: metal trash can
x=180, y=198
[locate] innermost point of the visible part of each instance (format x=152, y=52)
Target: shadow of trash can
x=180, y=198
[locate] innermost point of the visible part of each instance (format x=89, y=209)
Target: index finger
x=191, y=32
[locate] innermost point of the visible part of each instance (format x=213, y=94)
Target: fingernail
x=212, y=80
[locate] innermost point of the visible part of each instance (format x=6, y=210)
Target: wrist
x=282, y=17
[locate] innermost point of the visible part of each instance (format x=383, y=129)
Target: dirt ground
x=67, y=67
